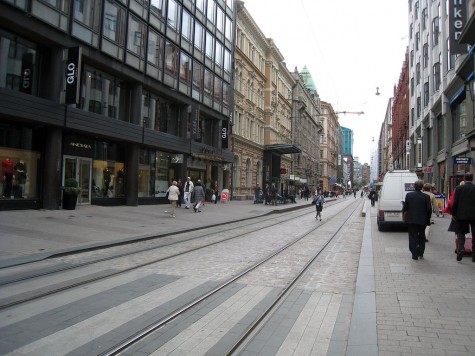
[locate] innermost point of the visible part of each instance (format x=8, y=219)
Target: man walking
x=463, y=211
x=187, y=190
x=417, y=211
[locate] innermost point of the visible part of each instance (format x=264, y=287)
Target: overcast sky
x=350, y=48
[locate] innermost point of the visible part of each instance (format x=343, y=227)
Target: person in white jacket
x=187, y=190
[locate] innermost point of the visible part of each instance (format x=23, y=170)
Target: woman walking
x=319, y=200
x=173, y=195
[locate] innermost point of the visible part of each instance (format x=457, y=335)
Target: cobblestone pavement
x=424, y=307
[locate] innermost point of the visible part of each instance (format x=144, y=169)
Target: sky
x=349, y=47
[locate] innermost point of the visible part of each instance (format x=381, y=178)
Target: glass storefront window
x=108, y=174
x=18, y=67
x=108, y=179
x=153, y=174
x=20, y=156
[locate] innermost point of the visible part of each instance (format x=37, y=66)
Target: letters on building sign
x=457, y=20
x=80, y=145
x=73, y=70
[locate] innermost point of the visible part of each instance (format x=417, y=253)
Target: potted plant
x=71, y=191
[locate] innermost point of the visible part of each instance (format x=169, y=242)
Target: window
x=459, y=120
x=136, y=37
x=150, y=111
x=426, y=94
x=429, y=142
x=200, y=5
x=419, y=108
x=226, y=95
x=219, y=55
x=208, y=83
x=248, y=173
x=412, y=86
x=424, y=18
x=418, y=73
x=88, y=13
x=435, y=31
x=450, y=57
x=220, y=19
x=211, y=11
x=437, y=78
x=209, y=45
x=412, y=117
x=418, y=40
x=100, y=93
x=18, y=67
x=218, y=91
x=157, y=8
x=425, y=55
x=229, y=26
x=155, y=49
x=199, y=36
x=114, y=21
x=187, y=26
x=61, y=5
x=173, y=15
x=227, y=61
x=171, y=58
x=416, y=10
x=185, y=69
x=198, y=76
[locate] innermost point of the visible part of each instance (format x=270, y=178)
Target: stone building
x=330, y=148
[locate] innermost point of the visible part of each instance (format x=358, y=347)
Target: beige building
x=261, y=134
x=330, y=147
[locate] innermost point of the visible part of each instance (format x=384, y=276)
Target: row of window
x=197, y=62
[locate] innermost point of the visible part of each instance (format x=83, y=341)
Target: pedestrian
x=463, y=211
x=215, y=191
x=417, y=211
x=199, y=196
x=372, y=196
x=187, y=190
x=173, y=196
x=273, y=194
x=257, y=193
x=180, y=197
x=454, y=226
x=427, y=189
x=319, y=201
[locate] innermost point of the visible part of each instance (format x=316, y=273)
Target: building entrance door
x=79, y=168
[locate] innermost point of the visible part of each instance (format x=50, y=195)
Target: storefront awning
x=283, y=148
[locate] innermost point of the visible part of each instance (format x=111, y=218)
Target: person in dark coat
x=417, y=211
x=454, y=225
x=463, y=211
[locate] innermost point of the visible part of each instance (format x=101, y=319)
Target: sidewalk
x=29, y=235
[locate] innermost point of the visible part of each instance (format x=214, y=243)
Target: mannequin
x=20, y=168
x=107, y=181
x=7, y=167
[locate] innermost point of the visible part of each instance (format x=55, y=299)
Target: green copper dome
x=308, y=80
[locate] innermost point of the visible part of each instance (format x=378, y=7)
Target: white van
x=396, y=184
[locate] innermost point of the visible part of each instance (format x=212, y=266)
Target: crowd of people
x=420, y=206
x=190, y=194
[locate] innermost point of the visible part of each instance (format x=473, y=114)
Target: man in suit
x=417, y=211
x=463, y=211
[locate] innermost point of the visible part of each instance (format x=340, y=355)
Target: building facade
x=330, y=143
x=123, y=96
x=441, y=126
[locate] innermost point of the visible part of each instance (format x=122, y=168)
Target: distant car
x=396, y=184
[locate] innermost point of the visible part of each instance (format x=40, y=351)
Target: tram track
x=252, y=226
x=251, y=330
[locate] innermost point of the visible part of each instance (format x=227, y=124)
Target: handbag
x=213, y=197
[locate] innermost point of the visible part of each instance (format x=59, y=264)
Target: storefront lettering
x=224, y=132
x=71, y=73
x=26, y=78
x=80, y=145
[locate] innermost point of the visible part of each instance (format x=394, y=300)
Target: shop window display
x=153, y=174
x=108, y=180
